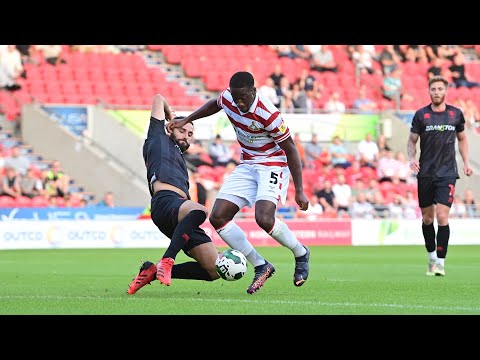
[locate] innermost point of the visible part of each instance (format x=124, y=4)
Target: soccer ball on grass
x=231, y=265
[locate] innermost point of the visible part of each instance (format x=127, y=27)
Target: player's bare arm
x=412, y=152
x=161, y=109
x=295, y=165
x=207, y=109
x=463, y=149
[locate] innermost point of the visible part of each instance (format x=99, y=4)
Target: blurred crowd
x=372, y=181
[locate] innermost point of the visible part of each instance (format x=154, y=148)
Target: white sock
x=432, y=257
x=441, y=261
x=236, y=239
x=287, y=238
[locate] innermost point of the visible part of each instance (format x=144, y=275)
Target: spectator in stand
x=458, y=209
x=363, y=104
x=56, y=182
x=323, y=60
x=444, y=52
x=358, y=186
x=388, y=59
x=130, y=49
x=326, y=198
x=313, y=149
x=18, y=161
x=11, y=183
x=300, y=148
x=371, y=188
x=387, y=166
x=422, y=57
x=403, y=172
x=299, y=100
x=473, y=209
x=410, y=54
x=334, y=104
x=400, y=50
x=277, y=75
x=284, y=92
x=306, y=80
x=339, y=153
x=199, y=191
x=108, y=200
x=28, y=54
x=283, y=50
x=459, y=76
x=314, y=211
x=382, y=143
x=471, y=113
x=30, y=185
x=361, y=208
x=219, y=152
x=367, y=152
x=236, y=151
x=53, y=54
x=395, y=208
x=268, y=90
x=435, y=68
x=197, y=155
x=11, y=68
x=354, y=172
x=410, y=206
x=363, y=59
x=343, y=194
x=301, y=52
x=378, y=203
x=392, y=87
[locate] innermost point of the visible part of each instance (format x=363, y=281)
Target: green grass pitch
x=383, y=280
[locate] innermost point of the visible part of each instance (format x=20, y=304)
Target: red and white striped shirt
x=259, y=131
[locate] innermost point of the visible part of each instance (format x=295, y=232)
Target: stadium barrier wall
x=64, y=234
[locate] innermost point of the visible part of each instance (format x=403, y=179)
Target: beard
x=182, y=144
x=438, y=101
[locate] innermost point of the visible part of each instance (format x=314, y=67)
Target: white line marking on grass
x=281, y=302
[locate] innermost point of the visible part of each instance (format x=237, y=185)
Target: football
x=231, y=265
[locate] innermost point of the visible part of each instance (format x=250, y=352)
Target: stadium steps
x=194, y=86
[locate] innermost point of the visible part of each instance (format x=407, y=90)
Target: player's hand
x=415, y=166
x=467, y=170
x=169, y=114
x=175, y=124
x=301, y=200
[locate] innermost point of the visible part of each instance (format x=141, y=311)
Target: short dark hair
x=242, y=79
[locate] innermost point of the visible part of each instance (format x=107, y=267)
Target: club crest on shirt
x=253, y=126
x=282, y=128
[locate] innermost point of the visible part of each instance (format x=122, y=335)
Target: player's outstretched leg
x=302, y=267
x=262, y=273
x=164, y=271
x=145, y=276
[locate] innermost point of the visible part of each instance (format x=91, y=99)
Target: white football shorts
x=249, y=183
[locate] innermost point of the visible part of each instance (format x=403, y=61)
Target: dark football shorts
x=436, y=191
x=164, y=211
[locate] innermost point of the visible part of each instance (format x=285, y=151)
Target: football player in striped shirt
x=269, y=158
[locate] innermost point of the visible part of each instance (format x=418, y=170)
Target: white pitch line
x=284, y=302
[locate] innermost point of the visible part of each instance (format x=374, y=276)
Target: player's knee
x=265, y=221
x=442, y=219
x=217, y=220
x=427, y=219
